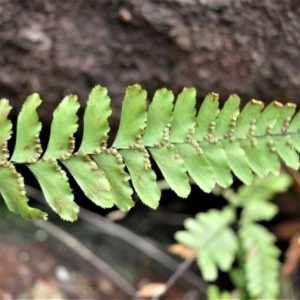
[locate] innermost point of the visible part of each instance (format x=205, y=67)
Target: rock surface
x=227, y=46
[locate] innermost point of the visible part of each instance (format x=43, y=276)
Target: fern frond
x=207, y=145
x=258, y=251
x=261, y=261
x=208, y=233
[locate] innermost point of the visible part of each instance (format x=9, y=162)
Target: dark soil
x=36, y=266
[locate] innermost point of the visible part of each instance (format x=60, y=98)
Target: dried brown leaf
x=182, y=251
x=151, y=289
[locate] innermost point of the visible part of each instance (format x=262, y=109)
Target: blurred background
x=246, y=47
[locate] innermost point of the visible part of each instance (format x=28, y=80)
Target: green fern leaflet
x=222, y=237
x=208, y=145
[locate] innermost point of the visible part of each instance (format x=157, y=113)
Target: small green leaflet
x=238, y=161
x=95, y=123
x=90, y=178
x=13, y=192
x=173, y=169
x=184, y=116
x=56, y=189
x=61, y=141
x=284, y=144
x=207, y=116
x=217, y=159
x=294, y=130
x=182, y=131
x=263, y=129
x=197, y=166
x=159, y=117
x=247, y=118
x=5, y=127
x=229, y=113
x=211, y=147
x=133, y=117
x=28, y=146
x=225, y=124
x=117, y=178
x=256, y=158
x=142, y=176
